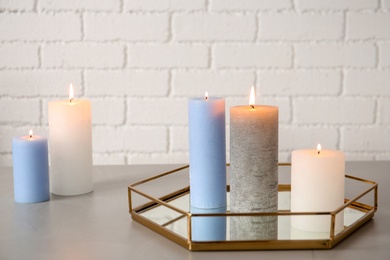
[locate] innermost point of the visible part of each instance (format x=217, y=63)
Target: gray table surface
x=98, y=226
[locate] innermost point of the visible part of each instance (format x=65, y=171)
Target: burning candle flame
x=206, y=95
x=30, y=133
x=71, y=93
x=318, y=149
x=252, y=97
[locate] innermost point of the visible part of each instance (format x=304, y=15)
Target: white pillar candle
x=70, y=143
x=317, y=185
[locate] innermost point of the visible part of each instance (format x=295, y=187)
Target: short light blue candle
x=207, y=149
x=31, y=169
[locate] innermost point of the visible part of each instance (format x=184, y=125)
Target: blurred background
x=325, y=64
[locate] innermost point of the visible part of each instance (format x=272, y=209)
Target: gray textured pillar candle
x=254, y=158
x=254, y=163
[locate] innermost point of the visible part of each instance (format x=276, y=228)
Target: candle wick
x=30, y=136
x=252, y=106
x=70, y=100
x=206, y=98
x=318, y=152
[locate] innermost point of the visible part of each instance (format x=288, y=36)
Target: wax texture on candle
x=254, y=159
x=31, y=169
x=317, y=185
x=70, y=130
x=207, y=152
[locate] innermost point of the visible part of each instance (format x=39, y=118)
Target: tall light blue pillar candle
x=31, y=169
x=207, y=149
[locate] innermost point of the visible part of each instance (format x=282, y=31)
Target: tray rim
x=328, y=243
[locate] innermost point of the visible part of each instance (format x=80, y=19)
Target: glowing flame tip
x=71, y=93
x=318, y=149
x=252, y=97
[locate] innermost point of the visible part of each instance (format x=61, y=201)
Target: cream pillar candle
x=254, y=158
x=317, y=185
x=70, y=143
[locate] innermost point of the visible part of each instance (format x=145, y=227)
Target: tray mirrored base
x=171, y=216
x=239, y=228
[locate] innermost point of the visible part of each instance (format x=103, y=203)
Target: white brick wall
x=12, y=5
x=300, y=82
x=325, y=63
x=78, y=5
x=320, y=5
x=164, y=5
x=158, y=56
x=249, y=5
x=83, y=55
x=223, y=82
x=368, y=82
x=19, y=56
x=368, y=26
x=126, y=27
x=384, y=57
x=40, y=27
x=252, y=56
x=19, y=111
x=339, y=110
x=126, y=82
x=335, y=55
x=213, y=27
x=294, y=26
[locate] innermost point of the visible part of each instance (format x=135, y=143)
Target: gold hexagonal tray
x=166, y=211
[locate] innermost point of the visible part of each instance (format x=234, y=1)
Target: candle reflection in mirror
x=254, y=228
